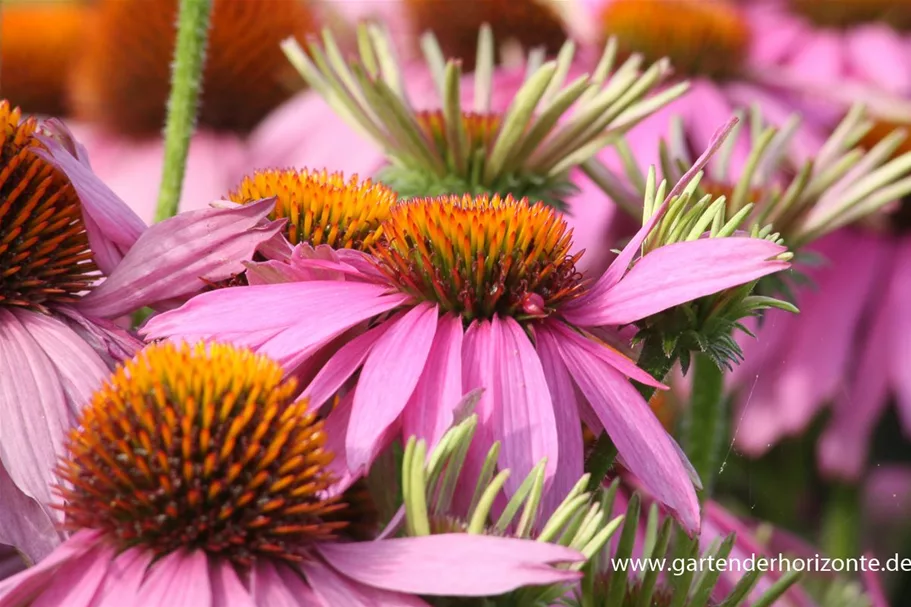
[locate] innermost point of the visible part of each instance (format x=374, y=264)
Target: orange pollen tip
x=122, y=79
x=201, y=447
x=480, y=256
x=480, y=129
x=882, y=129
x=44, y=249
x=455, y=23
x=700, y=38
x=38, y=42
x=849, y=13
x=321, y=207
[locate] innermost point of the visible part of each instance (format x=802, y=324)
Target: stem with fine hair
x=703, y=427
x=186, y=82
x=657, y=364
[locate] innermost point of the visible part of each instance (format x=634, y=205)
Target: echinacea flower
x=193, y=479
x=120, y=84
x=74, y=257
x=38, y=45
x=469, y=292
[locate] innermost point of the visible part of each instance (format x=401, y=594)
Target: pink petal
x=33, y=406
x=176, y=257
x=706, y=107
x=524, y=421
x=678, y=273
x=76, y=583
x=900, y=348
x=227, y=589
x=639, y=437
x=180, y=579
x=111, y=226
x=878, y=54
x=335, y=589
x=429, y=411
x=24, y=524
x=277, y=586
x=486, y=565
x=111, y=343
x=568, y=425
x=821, y=59
x=23, y=587
x=389, y=376
x=342, y=365
x=124, y=577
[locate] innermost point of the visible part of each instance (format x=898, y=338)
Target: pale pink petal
x=76, y=583
x=22, y=587
x=429, y=412
x=33, y=407
x=678, y=273
x=113, y=344
x=336, y=429
x=568, y=424
x=180, y=579
x=524, y=421
x=390, y=374
x=176, y=258
x=821, y=59
x=638, y=435
x=878, y=54
x=485, y=565
x=777, y=37
x=111, y=226
x=335, y=589
x=277, y=586
x=24, y=524
x=124, y=577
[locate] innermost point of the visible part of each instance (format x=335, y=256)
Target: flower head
x=526, y=151
x=193, y=475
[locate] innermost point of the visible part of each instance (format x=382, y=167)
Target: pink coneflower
x=468, y=292
x=193, y=479
x=62, y=231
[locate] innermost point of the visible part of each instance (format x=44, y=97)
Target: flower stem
x=702, y=432
x=840, y=520
x=186, y=81
x=657, y=364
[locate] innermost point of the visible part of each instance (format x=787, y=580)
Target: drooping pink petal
x=568, y=424
x=76, y=583
x=24, y=586
x=678, y=273
x=33, y=407
x=390, y=374
x=336, y=589
x=113, y=344
x=342, y=365
x=180, y=579
x=24, y=524
x=452, y=564
x=111, y=225
x=277, y=586
x=176, y=257
x=524, y=421
x=429, y=412
x=634, y=429
x=124, y=577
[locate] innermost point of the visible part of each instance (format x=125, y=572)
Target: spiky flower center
x=849, y=13
x=321, y=207
x=44, y=250
x=480, y=129
x=200, y=447
x=700, y=38
x=481, y=256
x=455, y=23
x=123, y=77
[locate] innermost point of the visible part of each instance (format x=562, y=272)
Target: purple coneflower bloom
x=465, y=292
x=62, y=231
x=193, y=479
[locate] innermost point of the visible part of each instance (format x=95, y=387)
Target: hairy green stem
x=186, y=82
x=703, y=428
x=657, y=364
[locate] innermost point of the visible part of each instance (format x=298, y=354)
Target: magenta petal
x=227, y=589
x=124, y=577
x=524, y=421
x=389, y=376
x=486, y=565
x=568, y=424
x=429, y=413
x=174, y=258
x=899, y=355
x=269, y=588
x=180, y=579
x=22, y=587
x=678, y=273
x=33, y=407
x=335, y=589
x=76, y=583
x=24, y=524
x=342, y=365
x=111, y=225
x=638, y=435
